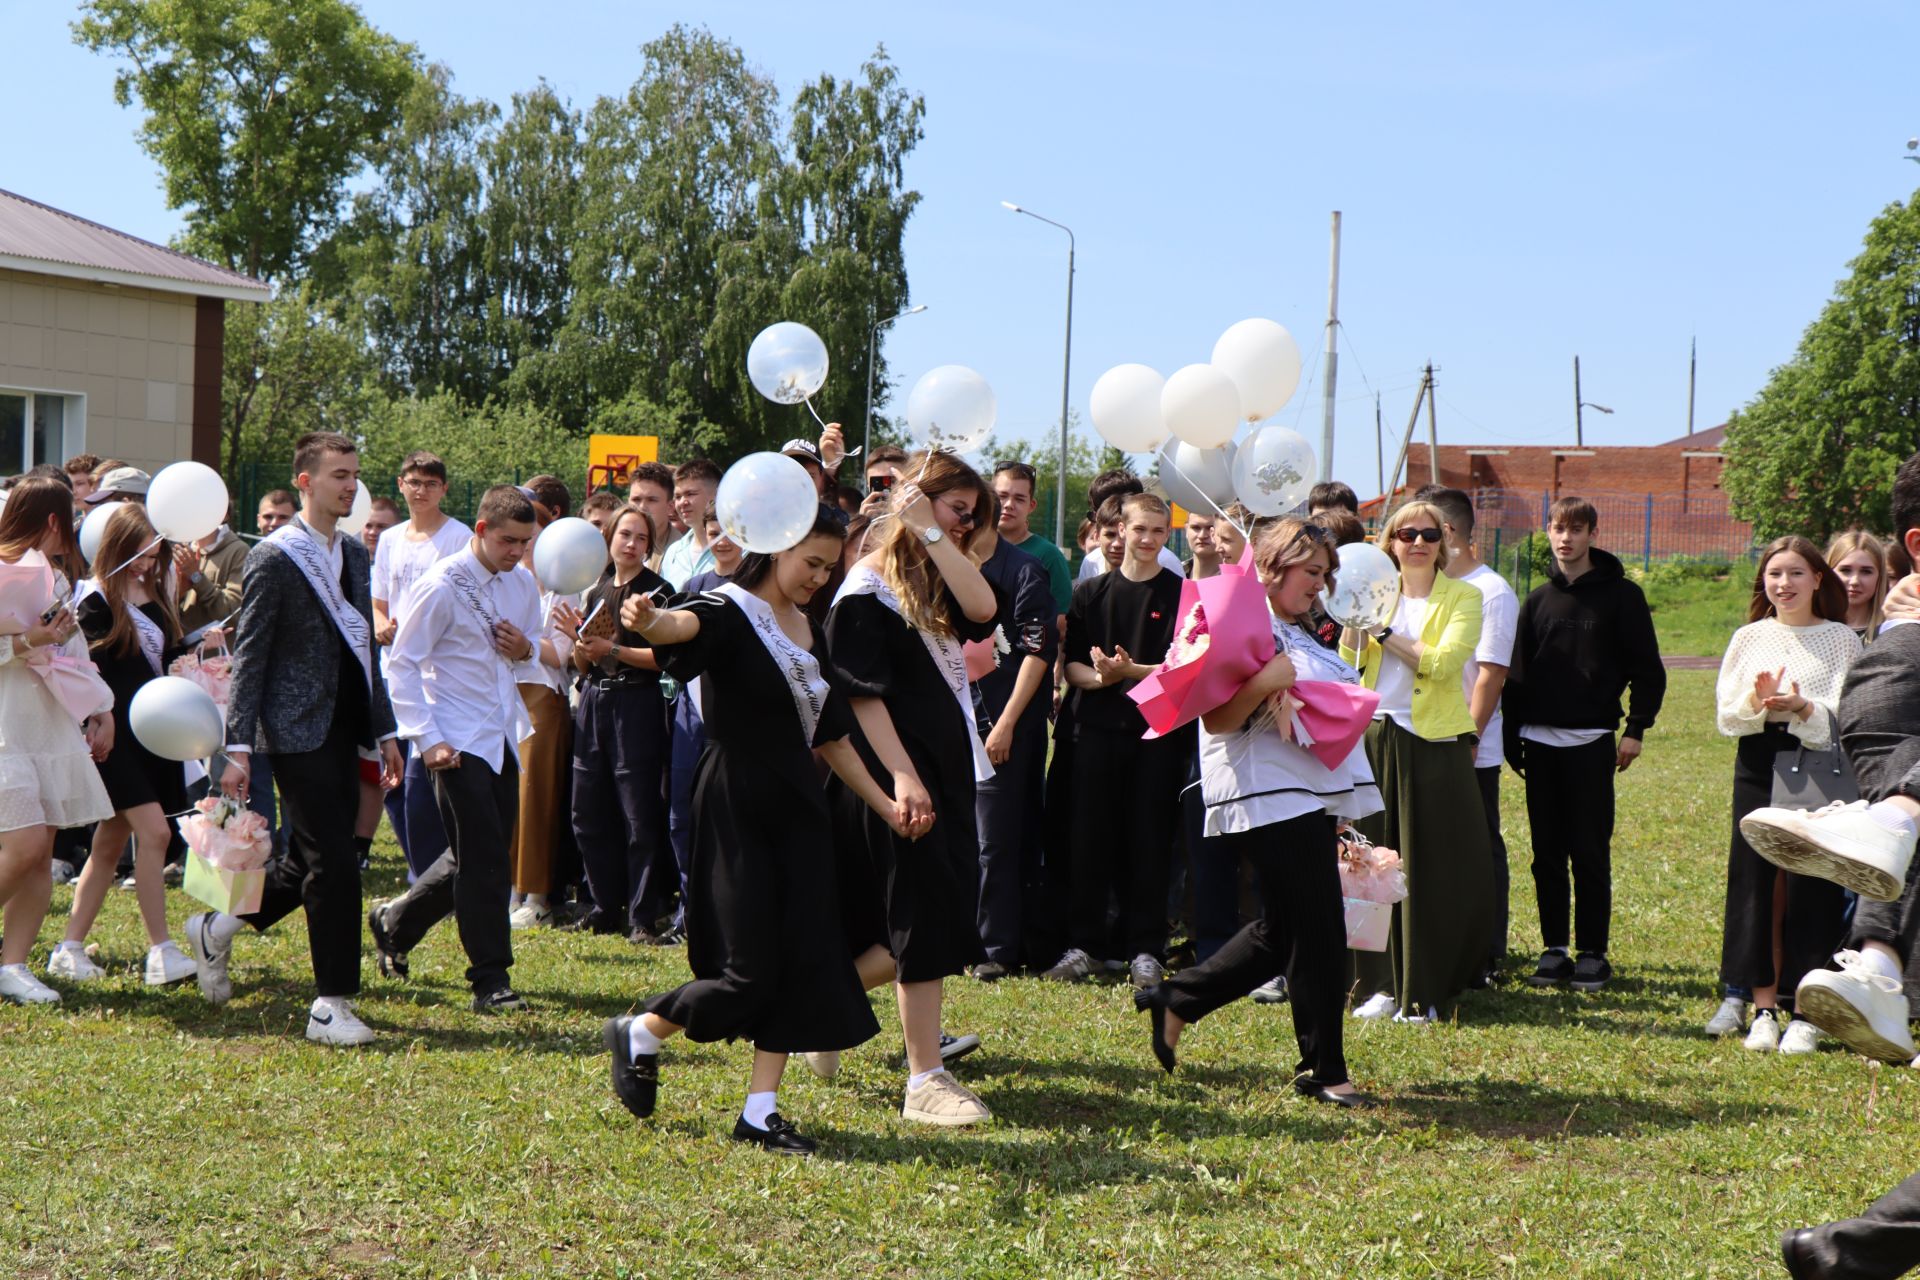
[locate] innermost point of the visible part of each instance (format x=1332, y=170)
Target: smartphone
x=52, y=611
x=880, y=484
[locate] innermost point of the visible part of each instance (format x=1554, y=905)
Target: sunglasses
x=1411, y=536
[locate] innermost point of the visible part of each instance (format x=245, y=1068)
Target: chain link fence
x=1642, y=529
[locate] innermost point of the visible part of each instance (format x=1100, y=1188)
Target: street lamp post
x=873, y=335
x=1579, y=422
x=1066, y=381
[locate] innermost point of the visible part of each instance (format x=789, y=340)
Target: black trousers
x=1007, y=809
x=1880, y=1244
x=1126, y=808
x=1570, y=813
x=320, y=869
x=620, y=756
x=1301, y=932
x=1497, y=843
x=473, y=880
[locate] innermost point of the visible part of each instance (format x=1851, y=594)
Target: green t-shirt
x=1059, y=577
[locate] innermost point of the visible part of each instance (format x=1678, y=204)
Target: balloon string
x=1168, y=459
x=157, y=540
x=815, y=412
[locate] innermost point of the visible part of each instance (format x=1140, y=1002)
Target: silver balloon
x=176, y=719
x=787, y=362
x=766, y=502
x=1193, y=476
x=1273, y=471
x=1366, y=587
x=951, y=408
x=569, y=556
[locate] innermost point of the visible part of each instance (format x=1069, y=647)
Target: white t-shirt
x=400, y=562
x=1499, y=620
x=1096, y=564
x=1395, y=685
x=1552, y=736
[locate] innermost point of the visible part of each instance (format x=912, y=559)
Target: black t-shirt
x=1137, y=616
x=1021, y=589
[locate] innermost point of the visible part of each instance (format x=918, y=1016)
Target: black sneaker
x=779, y=1137
x=1554, y=968
x=503, y=1000
x=1075, y=966
x=390, y=963
x=991, y=971
x=1590, y=972
x=636, y=1080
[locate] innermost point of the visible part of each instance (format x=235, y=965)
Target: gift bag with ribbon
x=1371, y=881
x=227, y=852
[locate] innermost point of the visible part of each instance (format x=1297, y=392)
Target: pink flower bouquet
x=213, y=673
x=1371, y=880
x=227, y=852
x=1224, y=636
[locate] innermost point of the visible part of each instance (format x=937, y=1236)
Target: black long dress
x=133, y=775
x=928, y=888
x=762, y=910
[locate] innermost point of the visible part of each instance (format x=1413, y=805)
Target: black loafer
x=1796, y=1251
x=1349, y=1101
x=1148, y=1000
x=779, y=1137
x=636, y=1080
x=390, y=963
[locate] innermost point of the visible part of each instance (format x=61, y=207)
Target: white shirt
x=1395, y=683
x=1096, y=564
x=401, y=561
x=534, y=670
x=683, y=560
x=1499, y=621
x=447, y=682
x=1817, y=657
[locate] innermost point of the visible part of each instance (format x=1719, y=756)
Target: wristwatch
x=932, y=534
x=1383, y=633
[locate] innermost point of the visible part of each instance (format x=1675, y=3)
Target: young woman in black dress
x=894, y=639
x=133, y=634
x=764, y=933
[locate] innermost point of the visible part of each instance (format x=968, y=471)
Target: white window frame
x=73, y=427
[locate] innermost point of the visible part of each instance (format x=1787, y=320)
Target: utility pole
x=1433, y=431
x=1693, y=372
x=1379, y=445
x=1333, y=358
x=1579, y=426
x=1406, y=439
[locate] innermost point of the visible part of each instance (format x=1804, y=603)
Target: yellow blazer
x=1448, y=638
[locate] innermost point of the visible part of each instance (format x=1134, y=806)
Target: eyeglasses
x=965, y=519
x=421, y=482
x=1411, y=536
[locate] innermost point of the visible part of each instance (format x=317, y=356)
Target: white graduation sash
x=153, y=644
x=469, y=591
x=946, y=651
x=797, y=665
x=300, y=545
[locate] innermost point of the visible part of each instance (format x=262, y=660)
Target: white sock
x=1889, y=816
x=1882, y=963
x=222, y=927
x=642, y=1041
x=759, y=1107
x=916, y=1080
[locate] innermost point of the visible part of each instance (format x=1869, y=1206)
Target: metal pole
x=1693, y=371
x=1066, y=383
x=1379, y=445
x=1433, y=431
x=1406, y=440
x=1579, y=429
x=866, y=444
x=1333, y=355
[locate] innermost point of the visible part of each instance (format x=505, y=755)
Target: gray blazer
x=1880, y=715
x=286, y=657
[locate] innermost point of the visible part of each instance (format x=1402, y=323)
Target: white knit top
x=1817, y=657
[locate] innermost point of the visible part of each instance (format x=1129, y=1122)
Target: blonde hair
x=1403, y=515
x=905, y=566
x=1844, y=545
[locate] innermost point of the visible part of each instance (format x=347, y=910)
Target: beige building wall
x=128, y=352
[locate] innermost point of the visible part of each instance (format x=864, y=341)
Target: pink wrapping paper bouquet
x=1224, y=637
x=213, y=673
x=226, y=836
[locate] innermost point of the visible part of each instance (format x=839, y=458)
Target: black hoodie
x=1578, y=647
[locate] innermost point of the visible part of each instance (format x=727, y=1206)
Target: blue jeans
x=689, y=739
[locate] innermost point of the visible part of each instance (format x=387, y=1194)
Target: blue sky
x=1519, y=182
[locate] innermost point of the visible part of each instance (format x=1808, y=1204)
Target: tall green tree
x=257, y=111
x=1816, y=450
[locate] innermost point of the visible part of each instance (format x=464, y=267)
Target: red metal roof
x=37, y=237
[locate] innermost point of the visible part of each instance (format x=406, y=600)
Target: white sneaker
x=21, y=987
x=942, y=1100
x=74, y=965
x=1764, y=1036
x=63, y=871
x=1801, y=1037
x=210, y=956
x=1859, y=1006
x=1840, y=842
x=1427, y=1019
x=1729, y=1017
x=166, y=965
x=825, y=1064
x=332, y=1021
x=1379, y=1006
x=530, y=915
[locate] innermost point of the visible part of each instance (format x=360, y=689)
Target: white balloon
x=569, y=555
x=1125, y=405
x=1273, y=470
x=1201, y=406
x=766, y=502
x=787, y=362
x=186, y=501
x=1264, y=362
x=1366, y=587
x=951, y=408
x=356, y=520
x=93, y=527
x=1192, y=476
x=176, y=719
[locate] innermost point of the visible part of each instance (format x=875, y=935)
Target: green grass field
x=1540, y=1134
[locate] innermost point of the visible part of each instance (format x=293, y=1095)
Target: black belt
x=623, y=681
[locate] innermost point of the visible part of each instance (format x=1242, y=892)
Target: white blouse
x=1817, y=657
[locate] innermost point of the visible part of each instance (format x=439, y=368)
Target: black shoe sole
x=389, y=963
x=1590, y=986
x=1148, y=1001
x=486, y=1004
x=774, y=1144
x=1535, y=980
x=1345, y=1101
x=636, y=1084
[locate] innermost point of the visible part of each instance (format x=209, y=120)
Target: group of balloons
x=1190, y=419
